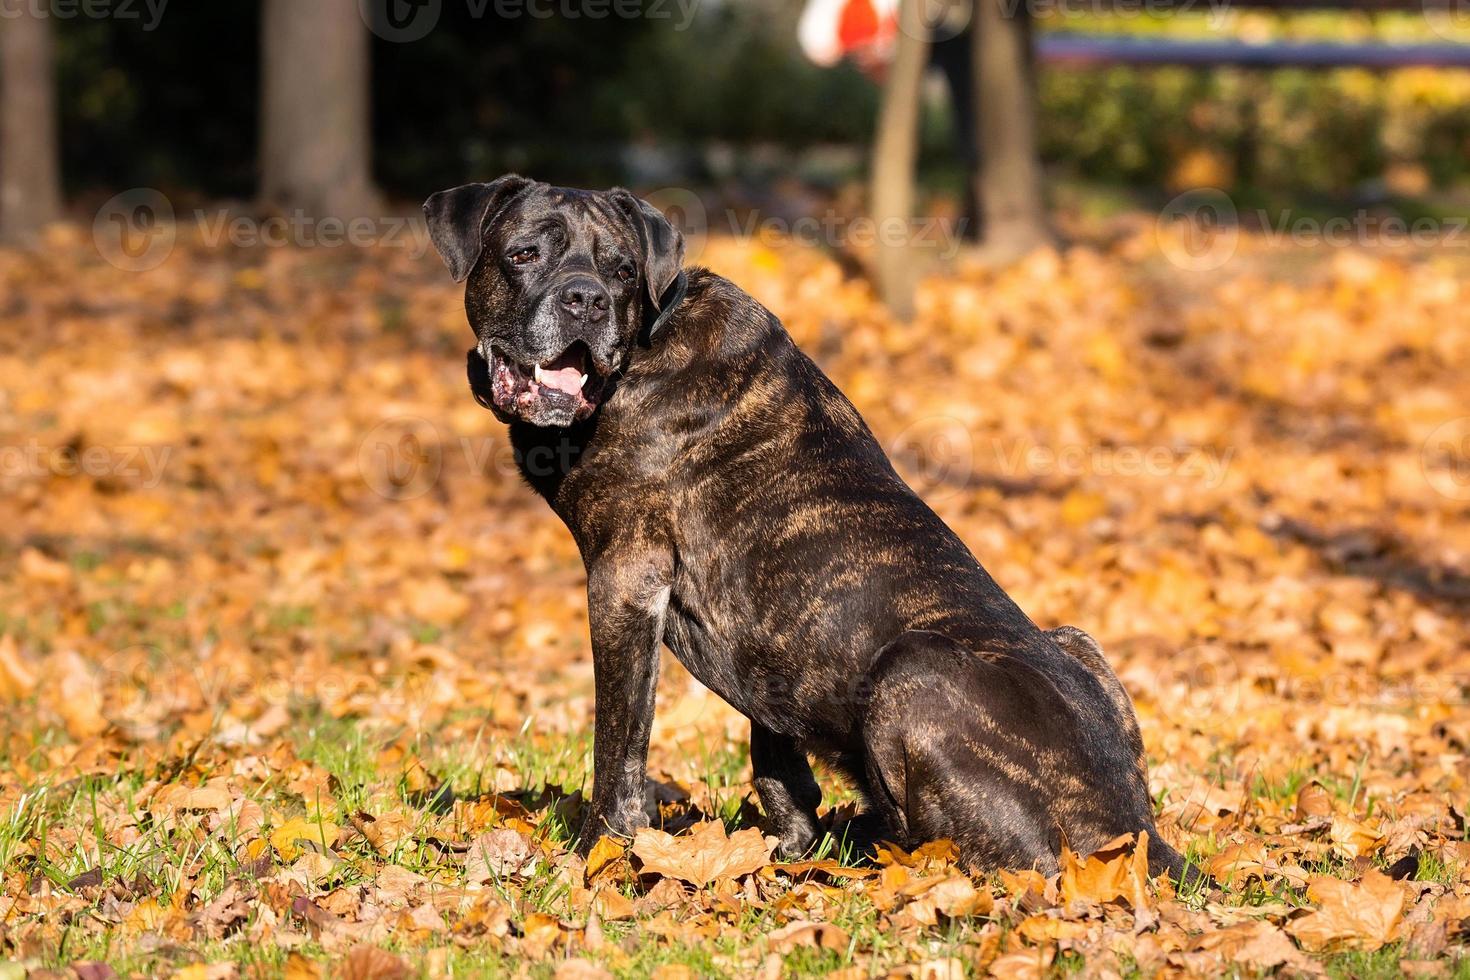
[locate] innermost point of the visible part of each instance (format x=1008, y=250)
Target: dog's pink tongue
x=563, y=374
x=568, y=379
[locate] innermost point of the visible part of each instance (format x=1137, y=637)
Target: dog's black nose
x=585, y=298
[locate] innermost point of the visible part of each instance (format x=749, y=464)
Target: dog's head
x=560, y=284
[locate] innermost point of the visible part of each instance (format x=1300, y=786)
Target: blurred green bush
x=1288, y=130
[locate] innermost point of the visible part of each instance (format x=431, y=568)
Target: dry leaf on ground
x=705, y=854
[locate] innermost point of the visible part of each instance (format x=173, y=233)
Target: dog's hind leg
x=941, y=762
x=788, y=791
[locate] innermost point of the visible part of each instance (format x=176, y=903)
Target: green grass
x=1433, y=867
x=66, y=827
x=1383, y=964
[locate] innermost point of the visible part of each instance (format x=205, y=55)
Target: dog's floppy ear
x=458, y=218
x=663, y=244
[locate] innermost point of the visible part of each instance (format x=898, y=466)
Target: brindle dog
x=731, y=504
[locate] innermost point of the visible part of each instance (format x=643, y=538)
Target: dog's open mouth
x=558, y=391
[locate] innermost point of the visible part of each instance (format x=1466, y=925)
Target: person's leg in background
x=953, y=57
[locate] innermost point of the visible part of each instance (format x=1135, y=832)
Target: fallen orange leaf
x=1363, y=916
x=705, y=855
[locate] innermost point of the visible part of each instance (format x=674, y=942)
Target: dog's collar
x=669, y=302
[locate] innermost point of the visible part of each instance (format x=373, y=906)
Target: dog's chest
x=703, y=650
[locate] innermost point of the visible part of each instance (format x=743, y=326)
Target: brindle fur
x=730, y=503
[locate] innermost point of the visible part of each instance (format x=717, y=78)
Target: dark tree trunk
x=316, y=151
x=30, y=176
x=1010, y=179
x=895, y=153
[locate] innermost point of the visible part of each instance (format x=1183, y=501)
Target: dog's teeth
x=538, y=374
x=583, y=382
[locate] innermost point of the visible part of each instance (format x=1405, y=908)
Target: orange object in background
x=864, y=30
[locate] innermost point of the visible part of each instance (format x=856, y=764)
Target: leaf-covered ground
x=295, y=672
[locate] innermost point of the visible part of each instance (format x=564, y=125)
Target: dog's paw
x=796, y=829
x=794, y=842
x=621, y=824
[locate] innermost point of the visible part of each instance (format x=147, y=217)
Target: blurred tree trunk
x=316, y=150
x=1009, y=179
x=30, y=175
x=895, y=152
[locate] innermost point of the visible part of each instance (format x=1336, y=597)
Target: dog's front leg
x=627, y=595
x=787, y=788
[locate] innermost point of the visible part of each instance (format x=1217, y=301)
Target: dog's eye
x=523, y=255
x=626, y=273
